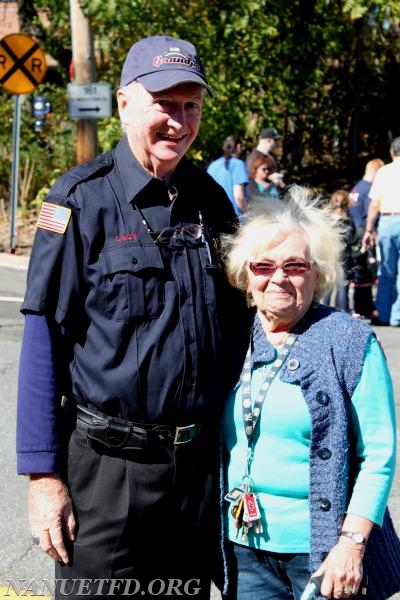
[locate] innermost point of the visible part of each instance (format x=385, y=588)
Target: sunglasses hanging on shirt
x=191, y=234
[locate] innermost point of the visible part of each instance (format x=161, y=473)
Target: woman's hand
x=342, y=570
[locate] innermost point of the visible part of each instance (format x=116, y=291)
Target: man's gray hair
x=395, y=147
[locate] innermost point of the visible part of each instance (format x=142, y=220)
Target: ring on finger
x=348, y=590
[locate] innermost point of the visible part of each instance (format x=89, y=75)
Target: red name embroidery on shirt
x=126, y=237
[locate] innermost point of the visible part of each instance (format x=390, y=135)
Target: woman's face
x=262, y=173
x=283, y=297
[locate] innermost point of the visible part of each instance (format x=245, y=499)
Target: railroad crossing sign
x=22, y=63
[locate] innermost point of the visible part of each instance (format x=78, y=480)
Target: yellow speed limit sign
x=22, y=63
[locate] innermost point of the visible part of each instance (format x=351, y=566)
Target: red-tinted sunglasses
x=292, y=267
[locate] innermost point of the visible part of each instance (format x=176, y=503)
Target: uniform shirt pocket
x=133, y=279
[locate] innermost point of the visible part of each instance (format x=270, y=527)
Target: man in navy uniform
x=128, y=328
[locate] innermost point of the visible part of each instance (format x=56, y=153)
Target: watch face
x=358, y=538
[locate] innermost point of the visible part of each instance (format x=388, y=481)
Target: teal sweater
x=280, y=465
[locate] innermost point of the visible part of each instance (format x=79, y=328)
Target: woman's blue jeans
x=268, y=575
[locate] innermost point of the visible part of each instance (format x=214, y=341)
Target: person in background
x=359, y=199
x=259, y=183
x=339, y=203
x=125, y=356
x=365, y=261
x=309, y=429
x=385, y=205
x=265, y=147
x=230, y=172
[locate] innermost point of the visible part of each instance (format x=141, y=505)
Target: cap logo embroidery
x=176, y=57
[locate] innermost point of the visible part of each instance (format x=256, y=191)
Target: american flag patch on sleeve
x=54, y=217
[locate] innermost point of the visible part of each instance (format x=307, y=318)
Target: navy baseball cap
x=269, y=133
x=160, y=62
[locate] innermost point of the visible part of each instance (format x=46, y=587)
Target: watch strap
x=356, y=536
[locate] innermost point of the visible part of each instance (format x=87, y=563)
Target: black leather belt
x=117, y=434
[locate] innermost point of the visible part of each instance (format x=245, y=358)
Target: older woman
x=310, y=427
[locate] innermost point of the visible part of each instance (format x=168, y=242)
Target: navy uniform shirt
x=143, y=321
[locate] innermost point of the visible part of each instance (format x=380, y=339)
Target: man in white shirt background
x=385, y=204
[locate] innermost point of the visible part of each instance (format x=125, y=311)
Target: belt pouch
x=115, y=436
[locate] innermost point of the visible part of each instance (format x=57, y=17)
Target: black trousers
x=147, y=525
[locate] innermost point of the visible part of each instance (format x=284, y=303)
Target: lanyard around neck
x=251, y=416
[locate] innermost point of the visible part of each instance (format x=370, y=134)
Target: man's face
x=160, y=126
x=267, y=145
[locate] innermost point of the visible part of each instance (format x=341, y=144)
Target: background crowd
x=372, y=234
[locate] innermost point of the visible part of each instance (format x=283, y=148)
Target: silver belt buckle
x=183, y=435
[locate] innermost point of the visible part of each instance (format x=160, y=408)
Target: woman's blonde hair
x=298, y=209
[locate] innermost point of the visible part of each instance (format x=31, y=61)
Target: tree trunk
x=84, y=71
x=26, y=16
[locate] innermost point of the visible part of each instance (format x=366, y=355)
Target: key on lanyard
x=252, y=512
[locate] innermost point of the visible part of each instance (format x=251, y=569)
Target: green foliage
x=6, y=120
x=324, y=72
x=50, y=151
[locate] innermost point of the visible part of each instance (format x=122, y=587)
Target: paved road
x=17, y=557
x=18, y=560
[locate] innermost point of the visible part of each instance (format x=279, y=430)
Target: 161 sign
x=89, y=100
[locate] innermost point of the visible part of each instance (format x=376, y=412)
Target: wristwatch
x=356, y=536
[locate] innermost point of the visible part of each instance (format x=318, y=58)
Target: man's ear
x=122, y=98
x=122, y=101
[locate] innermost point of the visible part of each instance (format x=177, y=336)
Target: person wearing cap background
x=265, y=147
x=124, y=361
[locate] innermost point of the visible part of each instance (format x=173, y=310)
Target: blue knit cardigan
x=326, y=361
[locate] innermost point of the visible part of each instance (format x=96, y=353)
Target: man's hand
x=51, y=514
x=277, y=180
x=369, y=240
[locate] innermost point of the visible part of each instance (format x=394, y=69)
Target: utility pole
x=84, y=70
